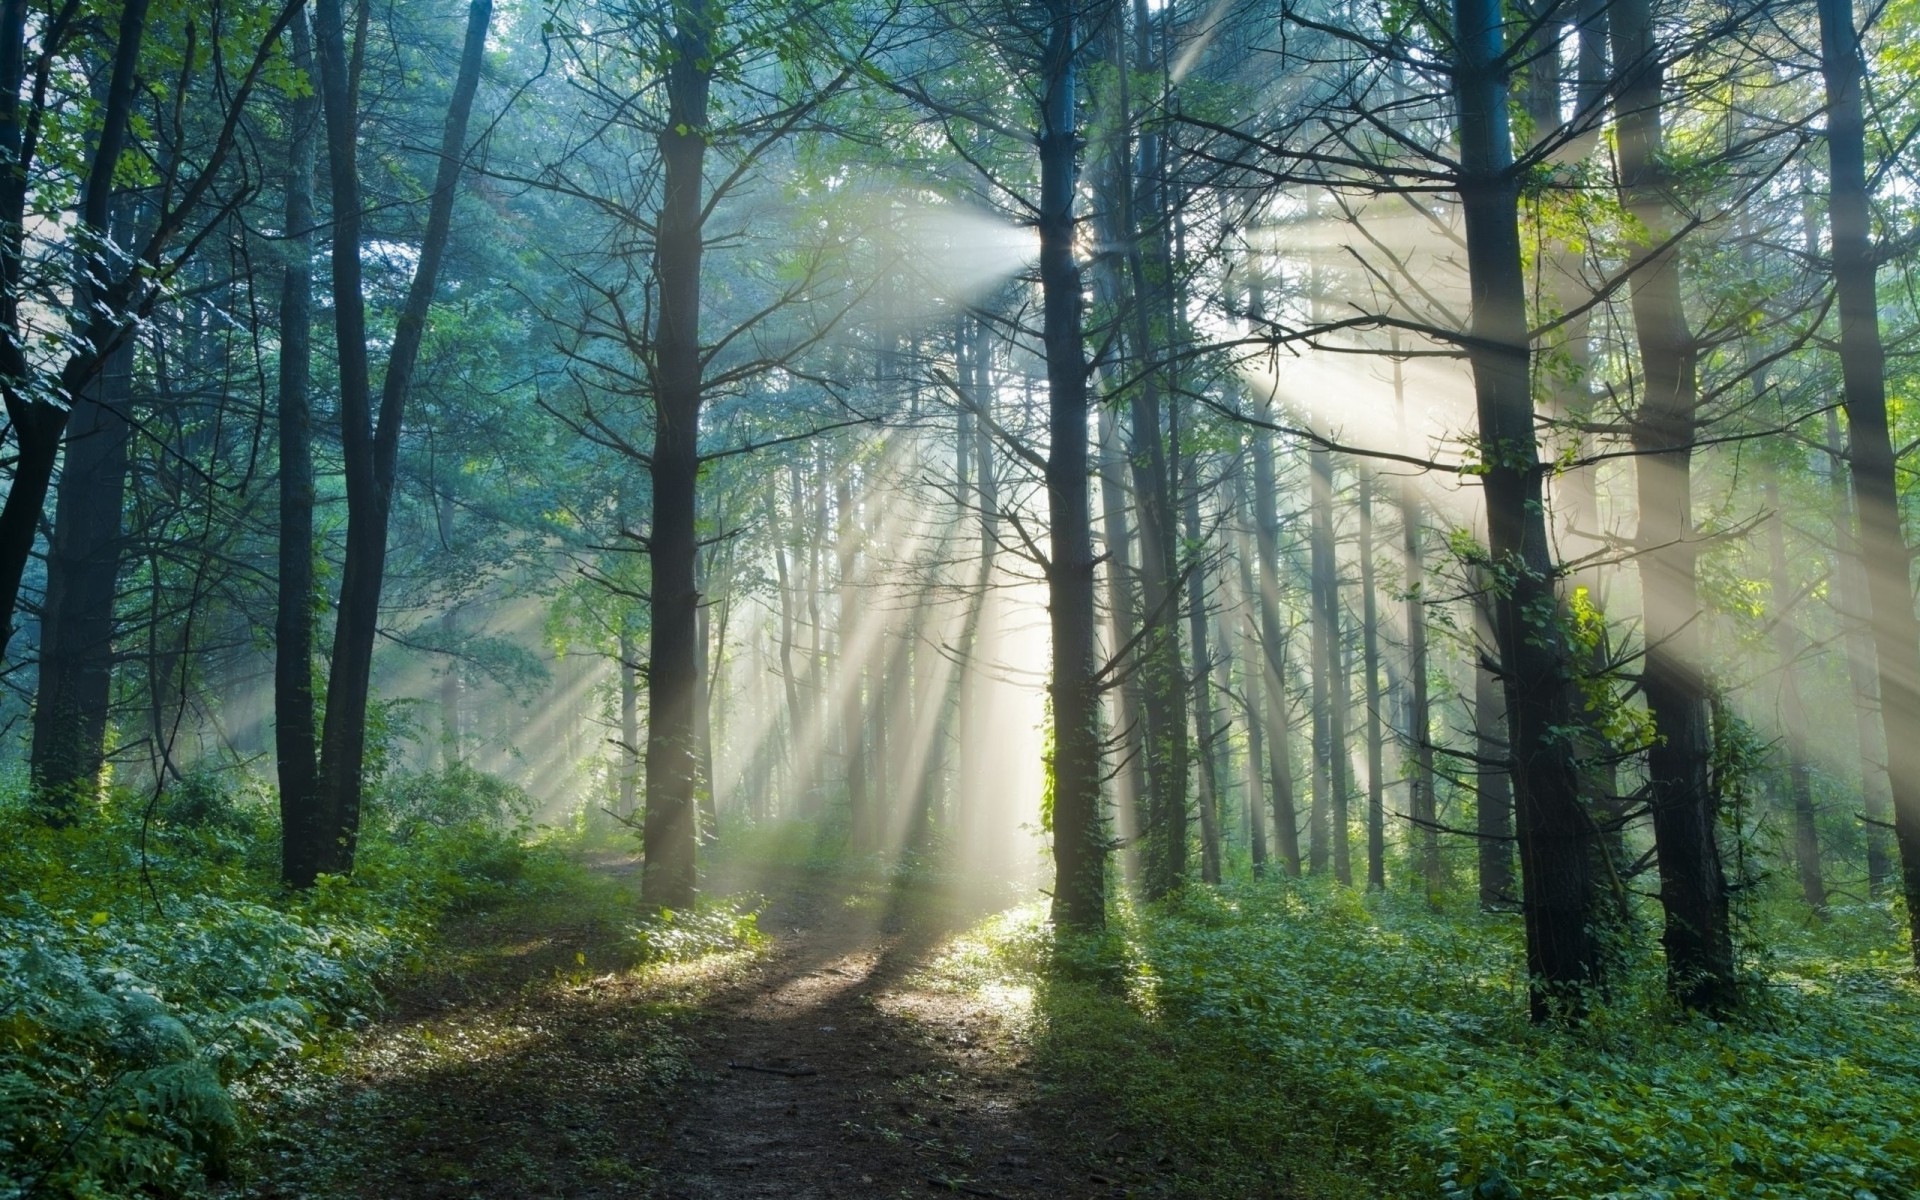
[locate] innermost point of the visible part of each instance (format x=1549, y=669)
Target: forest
x=1011, y=598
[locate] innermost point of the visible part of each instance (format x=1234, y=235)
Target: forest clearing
x=1009, y=598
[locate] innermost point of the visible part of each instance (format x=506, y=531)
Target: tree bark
x=296, y=739
x=1693, y=887
x=1123, y=619
x=1849, y=600
x=1079, y=841
x=1273, y=646
x=1204, y=721
x=1493, y=803
x=83, y=572
x=670, y=829
x=1326, y=827
x=850, y=674
x=1883, y=547
x=1559, y=850
x=369, y=447
x=101, y=321
x=1370, y=682
x=1792, y=713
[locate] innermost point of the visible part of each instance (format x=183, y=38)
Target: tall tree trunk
x=1422, y=814
x=629, y=757
x=1204, y=721
x=1329, y=727
x=1896, y=634
x=1693, y=887
x=1559, y=850
x=1252, y=685
x=296, y=739
x=1123, y=619
x=1792, y=713
x=1273, y=646
x=670, y=829
x=1079, y=840
x=705, y=787
x=39, y=421
x=850, y=674
x=83, y=573
x=369, y=447
x=1493, y=804
x=1370, y=682
x=1850, y=599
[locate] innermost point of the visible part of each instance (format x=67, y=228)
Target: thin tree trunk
x=1204, y=721
x=1252, y=685
x=1123, y=619
x=629, y=720
x=1329, y=742
x=1792, y=713
x=1370, y=665
x=1493, y=804
x=296, y=739
x=1849, y=593
x=1273, y=645
x=369, y=448
x=850, y=674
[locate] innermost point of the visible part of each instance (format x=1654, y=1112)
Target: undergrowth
x=151, y=966
x=1277, y=1039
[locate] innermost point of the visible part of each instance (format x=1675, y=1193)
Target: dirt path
x=825, y=1072
x=539, y=1064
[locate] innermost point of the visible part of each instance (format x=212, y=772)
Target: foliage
x=1392, y=1039
x=140, y=992
x=710, y=928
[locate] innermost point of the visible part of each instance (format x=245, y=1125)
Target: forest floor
x=535, y=1057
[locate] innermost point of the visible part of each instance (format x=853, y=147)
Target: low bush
x=1258, y=1023
x=150, y=964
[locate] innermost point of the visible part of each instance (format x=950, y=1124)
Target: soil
x=820, y=1068
x=826, y=1072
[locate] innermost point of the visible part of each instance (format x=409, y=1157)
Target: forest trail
x=825, y=1071
x=818, y=1069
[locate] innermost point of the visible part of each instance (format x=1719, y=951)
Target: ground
x=535, y=1060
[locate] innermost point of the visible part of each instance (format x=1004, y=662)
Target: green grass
x=1282, y=1040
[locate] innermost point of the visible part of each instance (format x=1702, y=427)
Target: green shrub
x=1402, y=1033
x=151, y=965
x=713, y=927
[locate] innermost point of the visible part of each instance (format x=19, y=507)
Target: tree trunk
x=296, y=740
x=629, y=721
x=1252, y=667
x=1326, y=820
x=673, y=670
x=1559, y=851
x=370, y=448
x=83, y=573
x=1792, y=713
x=1896, y=634
x=1204, y=720
x=1123, y=618
x=1079, y=841
x=1493, y=804
x=850, y=673
x=1273, y=645
x=1693, y=887
x=39, y=421
x=1370, y=682
x=1849, y=597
